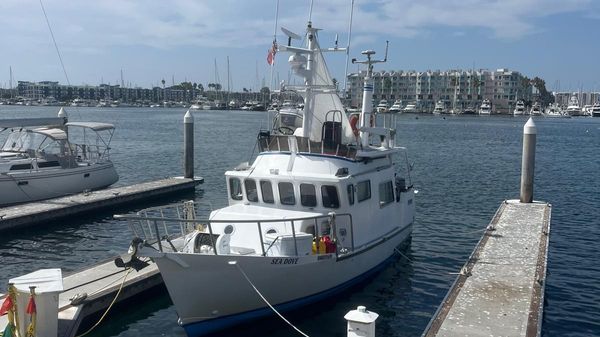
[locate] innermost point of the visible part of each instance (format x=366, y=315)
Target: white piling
x=361, y=322
x=188, y=143
x=528, y=161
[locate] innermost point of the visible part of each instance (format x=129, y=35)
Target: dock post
x=528, y=161
x=188, y=142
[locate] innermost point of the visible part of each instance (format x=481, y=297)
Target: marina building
x=584, y=98
x=458, y=89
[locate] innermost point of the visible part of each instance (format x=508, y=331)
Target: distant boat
x=396, y=107
x=486, y=108
x=382, y=107
x=596, y=110
x=553, y=111
x=573, y=109
x=470, y=110
x=440, y=108
x=410, y=108
x=43, y=163
x=536, y=109
x=519, y=109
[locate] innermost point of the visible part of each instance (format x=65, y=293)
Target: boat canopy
x=92, y=125
x=56, y=134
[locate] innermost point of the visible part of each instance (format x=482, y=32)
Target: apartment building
x=459, y=89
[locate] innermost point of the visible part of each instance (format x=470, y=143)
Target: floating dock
x=53, y=209
x=500, y=289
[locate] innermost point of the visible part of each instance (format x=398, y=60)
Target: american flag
x=271, y=54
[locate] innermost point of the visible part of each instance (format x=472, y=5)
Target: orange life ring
x=353, y=122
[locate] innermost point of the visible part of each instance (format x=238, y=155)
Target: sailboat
x=316, y=212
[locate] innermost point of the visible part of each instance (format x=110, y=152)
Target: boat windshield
x=26, y=140
x=287, y=123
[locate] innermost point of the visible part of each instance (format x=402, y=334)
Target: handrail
x=153, y=221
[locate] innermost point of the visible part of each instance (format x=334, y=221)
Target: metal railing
x=285, y=143
x=164, y=224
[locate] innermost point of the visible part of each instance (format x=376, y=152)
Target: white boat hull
x=29, y=186
x=222, y=297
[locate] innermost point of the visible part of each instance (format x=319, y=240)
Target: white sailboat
x=316, y=212
x=43, y=162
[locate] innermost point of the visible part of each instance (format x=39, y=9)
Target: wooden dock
x=100, y=283
x=53, y=209
x=500, y=290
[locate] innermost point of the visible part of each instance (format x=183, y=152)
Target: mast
x=367, y=106
x=228, y=82
x=348, y=46
x=10, y=80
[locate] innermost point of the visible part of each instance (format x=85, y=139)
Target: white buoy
x=528, y=161
x=62, y=113
x=48, y=285
x=361, y=322
x=188, y=143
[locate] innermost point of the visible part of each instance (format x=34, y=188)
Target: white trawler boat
x=573, y=109
x=396, y=107
x=43, y=162
x=536, y=109
x=440, y=108
x=316, y=212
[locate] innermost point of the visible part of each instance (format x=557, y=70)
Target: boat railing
x=91, y=153
x=170, y=228
x=289, y=143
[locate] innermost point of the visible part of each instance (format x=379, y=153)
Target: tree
x=200, y=87
x=545, y=97
x=163, y=82
x=265, y=91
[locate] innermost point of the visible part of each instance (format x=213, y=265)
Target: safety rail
x=289, y=143
x=165, y=224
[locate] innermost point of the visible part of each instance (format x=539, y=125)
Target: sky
x=183, y=40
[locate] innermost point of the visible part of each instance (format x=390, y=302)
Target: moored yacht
x=596, y=110
x=396, y=107
x=536, y=109
x=486, y=108
x=410, y=108
x=382, y=107
x=553, y=110
x=573, y=109
x=440, y=108
x=519, y=109
x=316, y=212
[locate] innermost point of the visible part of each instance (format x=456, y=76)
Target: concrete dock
x=500, y=289
x=53, y=209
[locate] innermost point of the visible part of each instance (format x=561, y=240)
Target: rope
x=110, y=305
x=265, y=300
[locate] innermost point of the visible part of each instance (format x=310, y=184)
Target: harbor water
x=463, y=167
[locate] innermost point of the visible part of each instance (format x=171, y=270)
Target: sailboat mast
x=348, y=46
x=228, y=82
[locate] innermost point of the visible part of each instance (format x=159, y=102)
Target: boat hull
x=44, y=184
x=211, y=294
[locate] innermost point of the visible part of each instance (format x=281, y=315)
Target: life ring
x=353, y=122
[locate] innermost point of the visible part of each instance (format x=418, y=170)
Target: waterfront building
x=458, y=89
x=584, y=98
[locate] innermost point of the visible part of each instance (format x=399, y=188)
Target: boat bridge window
x=330, y=197
x=386, y=193
x=363, y=190
x=350, y=190
x=251, y=191
x=267, y=192
x=286, y=193
x=308, y=195
x=235, y=189
x=21, y=167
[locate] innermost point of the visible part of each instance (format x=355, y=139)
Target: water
x=463, y=168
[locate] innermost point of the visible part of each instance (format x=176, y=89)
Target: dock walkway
x=53, y=209
x=500, y=290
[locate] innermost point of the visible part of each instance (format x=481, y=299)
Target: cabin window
x=286, y=194
x=363, y=190
x=267, y=192
x=21, y=167
x=330, y=197
x=44, y=164
x=251, y=191
x=350, y=189
x=235, y=189
x=386, y=193
x=308, y=195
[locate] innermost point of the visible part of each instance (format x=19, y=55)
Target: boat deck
x=500, y=289
x=53, y=209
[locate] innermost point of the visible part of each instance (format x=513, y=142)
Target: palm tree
x=163, y=82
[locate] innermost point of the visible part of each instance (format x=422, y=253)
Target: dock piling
x=188, y=141
x=528, y=161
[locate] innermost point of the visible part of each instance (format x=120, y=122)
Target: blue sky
x=151, y=40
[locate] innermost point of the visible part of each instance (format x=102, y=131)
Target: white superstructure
x=316, y=211
x=486, y=108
